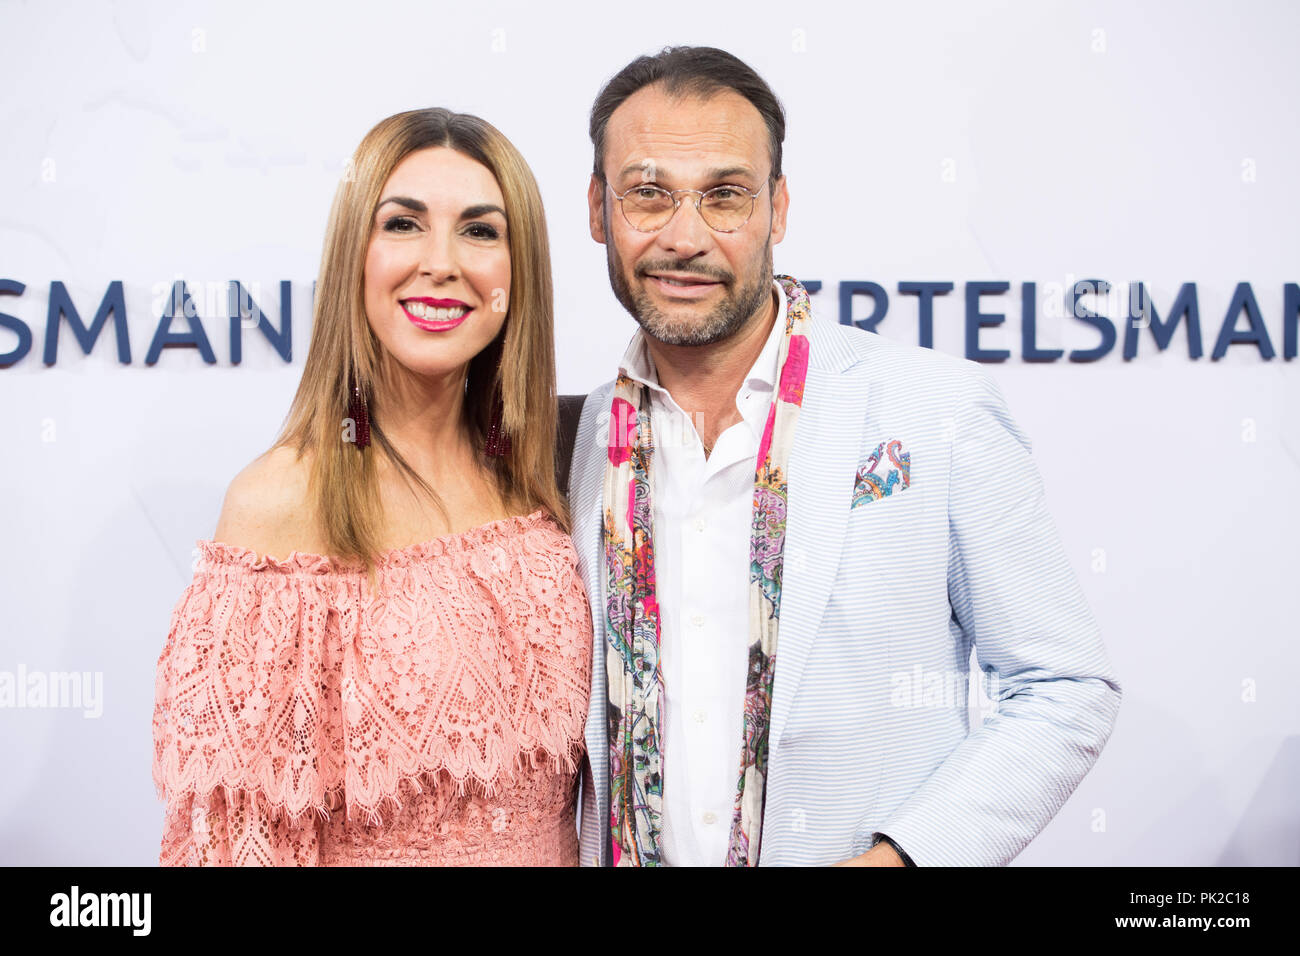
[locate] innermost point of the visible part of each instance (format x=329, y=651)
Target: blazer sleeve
x=1015, y=597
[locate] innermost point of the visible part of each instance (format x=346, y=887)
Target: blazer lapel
x=823, y=464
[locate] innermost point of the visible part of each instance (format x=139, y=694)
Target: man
x=792, y=534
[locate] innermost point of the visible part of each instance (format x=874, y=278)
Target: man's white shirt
x=702, y=518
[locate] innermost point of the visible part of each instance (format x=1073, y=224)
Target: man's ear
x=596, y=208
x=780, y=207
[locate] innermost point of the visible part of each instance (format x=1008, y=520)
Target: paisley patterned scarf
x=636, y=687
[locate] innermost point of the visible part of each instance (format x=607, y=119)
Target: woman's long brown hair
x=343, y=485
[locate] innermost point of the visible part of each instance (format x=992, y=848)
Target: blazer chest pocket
x=895, y=513
x=883, y=477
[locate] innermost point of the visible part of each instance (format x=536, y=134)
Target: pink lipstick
x=435, y=315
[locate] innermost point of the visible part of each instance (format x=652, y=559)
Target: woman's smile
x=435, y=315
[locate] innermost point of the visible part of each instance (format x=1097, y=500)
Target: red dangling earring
x=360, y=416
x=498, y=442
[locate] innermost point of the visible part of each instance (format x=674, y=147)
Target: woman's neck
x=423, y=417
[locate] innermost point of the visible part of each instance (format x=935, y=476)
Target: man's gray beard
x=720, y=324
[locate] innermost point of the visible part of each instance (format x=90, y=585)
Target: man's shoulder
x=901, y=370
x=914, y=386
x=598, y=400
x=601, y=392
x=590, y=440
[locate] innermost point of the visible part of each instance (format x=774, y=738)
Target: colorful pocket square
x=885, y=471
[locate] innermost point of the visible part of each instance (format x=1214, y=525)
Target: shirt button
x=709, y=817
x=698, y=620
x=700, y=525
x=699, y=716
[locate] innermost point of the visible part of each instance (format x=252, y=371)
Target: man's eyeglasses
x=723, y=208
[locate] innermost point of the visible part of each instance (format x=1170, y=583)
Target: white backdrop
x=945, y=141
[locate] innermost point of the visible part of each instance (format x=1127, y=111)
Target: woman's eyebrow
x=482, y=209
x=412, y=204
x=470, y=212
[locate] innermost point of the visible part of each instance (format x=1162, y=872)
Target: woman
x=331, y=692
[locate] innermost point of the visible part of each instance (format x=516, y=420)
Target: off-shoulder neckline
x=232, y=554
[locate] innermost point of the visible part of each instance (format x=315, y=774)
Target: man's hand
x=882, y=854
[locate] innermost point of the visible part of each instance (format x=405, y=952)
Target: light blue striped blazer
x=880, y=608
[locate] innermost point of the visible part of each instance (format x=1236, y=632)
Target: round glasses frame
x=700, y=194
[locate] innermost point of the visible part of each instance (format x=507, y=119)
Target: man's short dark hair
x=689, y=71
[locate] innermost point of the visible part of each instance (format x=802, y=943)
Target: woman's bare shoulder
x=267, y=508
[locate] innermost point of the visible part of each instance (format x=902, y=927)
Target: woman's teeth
x=422, y=311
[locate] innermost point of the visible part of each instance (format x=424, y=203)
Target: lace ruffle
x=304, y=562
x=290, y=679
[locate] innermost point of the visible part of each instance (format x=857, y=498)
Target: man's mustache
x=684, y=269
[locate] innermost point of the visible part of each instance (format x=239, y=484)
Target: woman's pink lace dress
x=302, y=719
